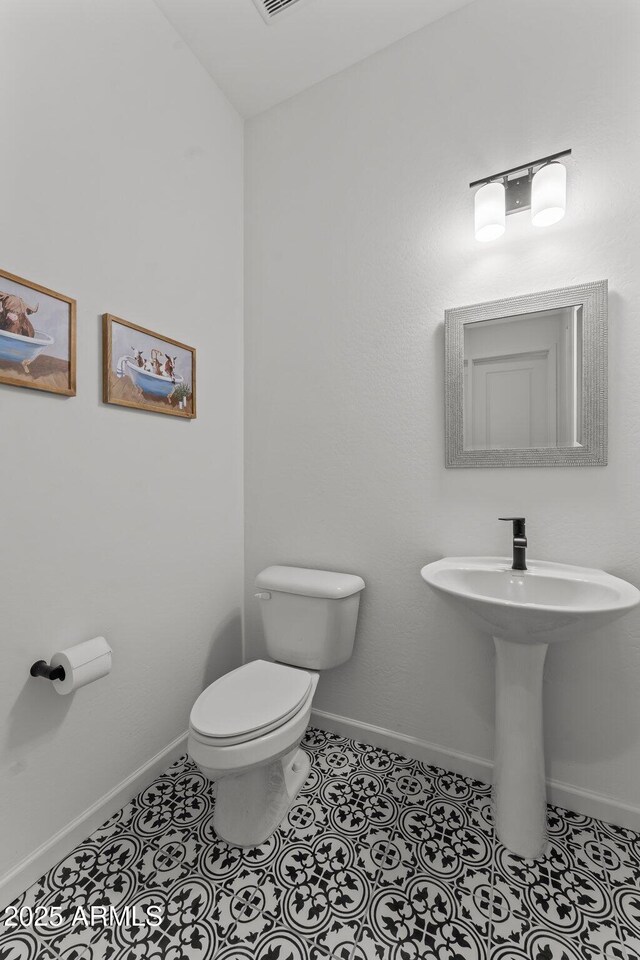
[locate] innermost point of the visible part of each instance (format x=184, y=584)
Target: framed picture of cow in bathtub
x=37, y=336
x=146, y=370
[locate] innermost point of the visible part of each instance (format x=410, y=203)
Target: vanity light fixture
x=540, y=186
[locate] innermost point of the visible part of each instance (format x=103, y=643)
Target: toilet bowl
x=244, y=733
x=245, y=729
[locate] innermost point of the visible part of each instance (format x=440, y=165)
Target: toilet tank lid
x=309, y=583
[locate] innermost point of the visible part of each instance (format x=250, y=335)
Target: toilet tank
x=309, y=616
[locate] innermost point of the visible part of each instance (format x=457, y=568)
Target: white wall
x=359, y=235
x=122, y=186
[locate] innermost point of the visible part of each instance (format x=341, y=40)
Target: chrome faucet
x=519, y=542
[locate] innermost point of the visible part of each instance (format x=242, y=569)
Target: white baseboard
x=411, y=747
x=20, y=877
x=560, y=794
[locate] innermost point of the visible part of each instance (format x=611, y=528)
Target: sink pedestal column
x=520, y=794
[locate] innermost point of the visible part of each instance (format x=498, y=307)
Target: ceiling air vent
x=270, y=9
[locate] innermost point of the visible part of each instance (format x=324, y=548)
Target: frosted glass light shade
x=549, y=195
x=489, y=208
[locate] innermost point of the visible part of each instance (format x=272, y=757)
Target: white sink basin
x=542, y=604
x=524, y=611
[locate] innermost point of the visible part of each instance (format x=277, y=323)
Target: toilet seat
x=249, y=702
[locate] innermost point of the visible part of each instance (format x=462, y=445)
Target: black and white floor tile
x=379, y=858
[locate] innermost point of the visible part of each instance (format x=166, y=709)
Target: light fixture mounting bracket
x=517, y=193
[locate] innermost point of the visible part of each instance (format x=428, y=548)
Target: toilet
x=246, y=727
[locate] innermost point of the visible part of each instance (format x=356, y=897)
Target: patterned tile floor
x=380, y=858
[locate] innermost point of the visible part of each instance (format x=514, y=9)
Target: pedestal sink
x=524, y=612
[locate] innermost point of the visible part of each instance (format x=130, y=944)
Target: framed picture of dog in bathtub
x=37, y=336
x=146, y=370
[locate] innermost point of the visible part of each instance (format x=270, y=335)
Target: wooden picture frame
x=41, y=353
x=138, y=372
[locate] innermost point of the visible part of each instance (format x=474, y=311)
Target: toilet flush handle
x=262, y=596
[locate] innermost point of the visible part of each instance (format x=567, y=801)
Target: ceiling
x=259, y=64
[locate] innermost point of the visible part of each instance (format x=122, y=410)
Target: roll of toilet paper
x=83, y=663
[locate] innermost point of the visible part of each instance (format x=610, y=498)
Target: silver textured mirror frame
x=593, y=449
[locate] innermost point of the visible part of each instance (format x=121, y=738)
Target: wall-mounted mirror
x=526, y=380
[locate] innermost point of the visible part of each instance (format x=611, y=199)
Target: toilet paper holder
x=42, y=669
x=76, y=666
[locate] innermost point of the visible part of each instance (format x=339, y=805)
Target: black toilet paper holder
x=43, y=669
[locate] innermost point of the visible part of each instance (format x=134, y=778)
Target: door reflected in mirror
x=526, y=380
x=523, y=381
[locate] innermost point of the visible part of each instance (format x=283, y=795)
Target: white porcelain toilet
x=245, y=729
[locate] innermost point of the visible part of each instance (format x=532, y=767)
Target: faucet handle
x=518, y=525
